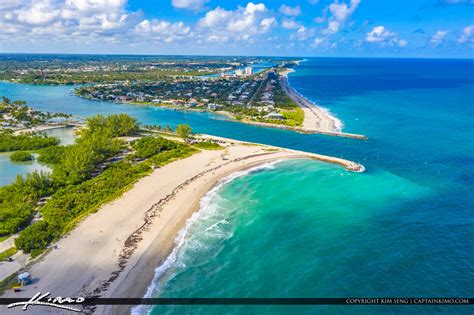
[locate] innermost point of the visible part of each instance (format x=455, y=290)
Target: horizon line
x=209, y=55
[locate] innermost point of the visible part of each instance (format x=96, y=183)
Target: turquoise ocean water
x=308, y=229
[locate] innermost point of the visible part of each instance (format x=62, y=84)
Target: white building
x=214, y=106
x=248, y=71
x=275, y=115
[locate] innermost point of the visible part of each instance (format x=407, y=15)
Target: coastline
x=317, y=119
x=114, y=252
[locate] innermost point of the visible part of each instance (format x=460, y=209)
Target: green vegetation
x=21, y=156
x=95, y=145
x=282, y=100
x=51, y=155
x=117, y=125
x=87, y=69
x=18, y=200
x=35, y=238
x=163, y=158
x=10, y=142
x=71, y=203
x=184, y=131
x=208, y=145
x=293, y=117
x=149, y=146
x=85, y=175
x=8, y=283
x=8, y=253
x=98, y=76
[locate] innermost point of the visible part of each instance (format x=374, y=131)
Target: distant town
x=243, y=94
x=16, y=115
x=248, y=89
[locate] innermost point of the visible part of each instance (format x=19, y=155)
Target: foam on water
x=208, y=211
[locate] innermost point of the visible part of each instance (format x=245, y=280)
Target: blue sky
x=356, y=28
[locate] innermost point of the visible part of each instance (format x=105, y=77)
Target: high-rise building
x=248, y=71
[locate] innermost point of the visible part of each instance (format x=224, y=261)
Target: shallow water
x=9, y=170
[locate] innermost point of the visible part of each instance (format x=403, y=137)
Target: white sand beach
x=315, y=117
x=114, y=252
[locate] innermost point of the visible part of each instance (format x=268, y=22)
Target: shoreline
x=140, y=280
x=231, y=118
x=316, y=117
x=114, y=252
x=313, y=114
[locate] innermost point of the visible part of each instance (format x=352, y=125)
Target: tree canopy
x=184, y=131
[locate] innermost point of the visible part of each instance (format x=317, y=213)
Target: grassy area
x=167, y=157
x=208, y=145
x=293, y=117
x=8, y=283
x=8, y=253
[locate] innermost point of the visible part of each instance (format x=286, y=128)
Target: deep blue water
x=403, y=228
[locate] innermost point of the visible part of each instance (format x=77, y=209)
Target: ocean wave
x=338, y=124
x=208, y=206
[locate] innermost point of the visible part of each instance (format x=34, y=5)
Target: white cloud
x=402, y=43
x=379, y=34
x=162, y=30
x=340, y=12
x=467, y=35
x=189, y=4
x=290, y=11
x=84, y=22
x=302, y=33
x=215, y=17
x=290, y=24
x=251, y=8
x=49, y=18
x=332, y=28
x=217, y=38
x=39, y=13
x=241, y=24
x=268, y=23
x=438, y=37
x=318, y=41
